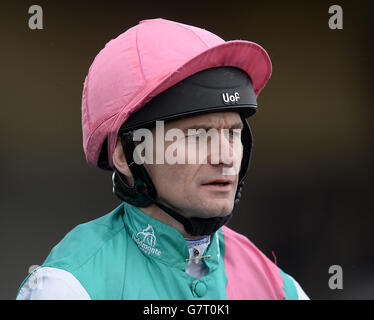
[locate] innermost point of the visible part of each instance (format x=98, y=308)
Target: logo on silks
x=148, y=236
x=230, y=98
x=146, y=241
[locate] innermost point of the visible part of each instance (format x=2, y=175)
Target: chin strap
x=194, y=226
x=197, y=226
x=144, y=194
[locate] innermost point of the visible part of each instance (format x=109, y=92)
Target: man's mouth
x=222, y=185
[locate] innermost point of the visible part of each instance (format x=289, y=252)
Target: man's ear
x=119, y=160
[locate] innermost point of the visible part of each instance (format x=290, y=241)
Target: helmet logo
x=230, y=98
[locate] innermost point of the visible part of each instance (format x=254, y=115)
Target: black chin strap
x=138, y=196
x=197, y=226
x=143, y=194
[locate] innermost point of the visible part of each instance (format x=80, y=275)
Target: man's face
x=194, y=190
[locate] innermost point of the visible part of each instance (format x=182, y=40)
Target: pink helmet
x=146, y=60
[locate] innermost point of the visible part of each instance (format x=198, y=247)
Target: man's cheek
x=171, y=174
x=237, y=160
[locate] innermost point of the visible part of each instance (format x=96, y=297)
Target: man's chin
x=217, y=207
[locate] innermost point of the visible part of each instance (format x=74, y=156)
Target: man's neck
x=157, y=213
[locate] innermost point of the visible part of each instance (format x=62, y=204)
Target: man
x=152, y=97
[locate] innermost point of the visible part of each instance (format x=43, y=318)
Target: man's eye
x=234, y=134
x=199, y=133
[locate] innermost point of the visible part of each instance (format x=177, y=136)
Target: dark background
x=308, y=196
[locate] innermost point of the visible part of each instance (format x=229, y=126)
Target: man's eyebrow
x=236, y=125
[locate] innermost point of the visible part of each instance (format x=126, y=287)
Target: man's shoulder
x=242, y=255
x=242, y=243
x=85, y=240
x=74, y=267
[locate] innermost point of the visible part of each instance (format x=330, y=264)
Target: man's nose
x=223, y=152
